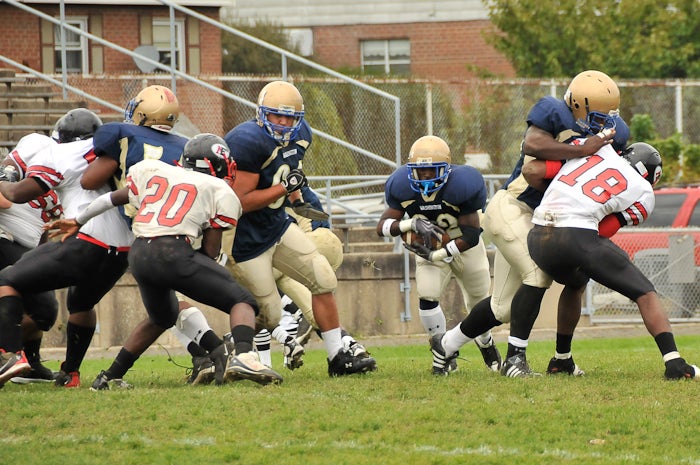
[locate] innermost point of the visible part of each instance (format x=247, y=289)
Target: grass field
x=621, y=412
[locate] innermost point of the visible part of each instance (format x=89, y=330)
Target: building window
x=386, y=56
x=76, y=47
x=161, y=41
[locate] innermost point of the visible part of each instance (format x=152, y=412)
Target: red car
x=676, y=207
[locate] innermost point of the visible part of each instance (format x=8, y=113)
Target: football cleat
x=105, y=383
x=11, y=365
x=203, y=371
x=220, y=357
x=248, y=366
x=564, y=365
x=304, y=330
x=490, y=354
x=344, y=363
x=293, y=353
x=442, y=365
x=36, y=374
x=357, y=350
x=67, y=379
x=517, y=367
x=678, y=368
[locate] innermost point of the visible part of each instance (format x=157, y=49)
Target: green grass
x=621, y=412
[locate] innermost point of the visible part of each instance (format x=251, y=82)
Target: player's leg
x=297, y=257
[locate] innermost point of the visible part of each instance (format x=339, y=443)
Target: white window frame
x=179, y=42
x=386, y=60
x=80, y=22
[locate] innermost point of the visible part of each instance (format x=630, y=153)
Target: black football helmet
x=209, y=154
x=77, y=124
x=645, y=159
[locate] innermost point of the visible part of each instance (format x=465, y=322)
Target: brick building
x=427, y=39
x=34, y=41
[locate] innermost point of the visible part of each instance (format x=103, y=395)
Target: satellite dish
x=150, y=52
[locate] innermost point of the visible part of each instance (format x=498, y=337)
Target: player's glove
x=426, y=230
x=431, y=255
x=678, y=368
x=302, y=208
x=9, y=173
x=295, y=180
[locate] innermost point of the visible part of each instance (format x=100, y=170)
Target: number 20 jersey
x=172, y=201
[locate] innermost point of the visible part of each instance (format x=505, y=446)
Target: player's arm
x=4, y=203
x=388, y=225
x=609, y=225
x=540, y=144
x=470, y=226
x=23, y=191
x=98, y=173
x=253, y=199
x=539, y=173
x=211, y=242
x=471, y=232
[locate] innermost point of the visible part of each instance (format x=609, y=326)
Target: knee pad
x=326, y=281
x=45, y=322
x=329, y=245
x=42, y=308
x=537, y=278
x=184, y=315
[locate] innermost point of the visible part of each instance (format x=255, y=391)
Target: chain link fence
x=474, y=117
x=670, y=258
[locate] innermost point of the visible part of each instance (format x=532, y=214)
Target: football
x=413, y=239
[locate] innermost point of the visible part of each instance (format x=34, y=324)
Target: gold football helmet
x=593, y=97
x=280, y=98
x=154, y=106
x=429, y=152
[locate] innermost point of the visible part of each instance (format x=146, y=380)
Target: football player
x=432, y=192
x=586, y=202
x=590, y=104
x=146, y=133
x=89, y=264
x=176, y=206
x=317, y=228
x=269, y=151
x=21, y=230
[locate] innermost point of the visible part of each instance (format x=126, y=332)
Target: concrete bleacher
x=27, y=107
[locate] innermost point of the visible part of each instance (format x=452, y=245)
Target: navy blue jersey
x=463, y=193
x=256, y=152
x=128, y=144
x=554, y=116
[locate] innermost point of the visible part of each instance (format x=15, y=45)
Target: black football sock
x=11, y=310
x=78, y=340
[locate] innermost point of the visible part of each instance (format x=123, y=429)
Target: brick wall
x=439, y=50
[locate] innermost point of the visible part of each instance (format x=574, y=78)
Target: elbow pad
x=470, y=235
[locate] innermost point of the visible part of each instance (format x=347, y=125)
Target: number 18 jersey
x=587, y=189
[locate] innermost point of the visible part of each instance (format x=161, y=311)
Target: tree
x=243, y=56
x=625, y=38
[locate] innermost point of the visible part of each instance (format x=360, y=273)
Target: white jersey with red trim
x=23, y=223
x=587, y=189
x=174, y=201
x=60, y=168
x=27, y=147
